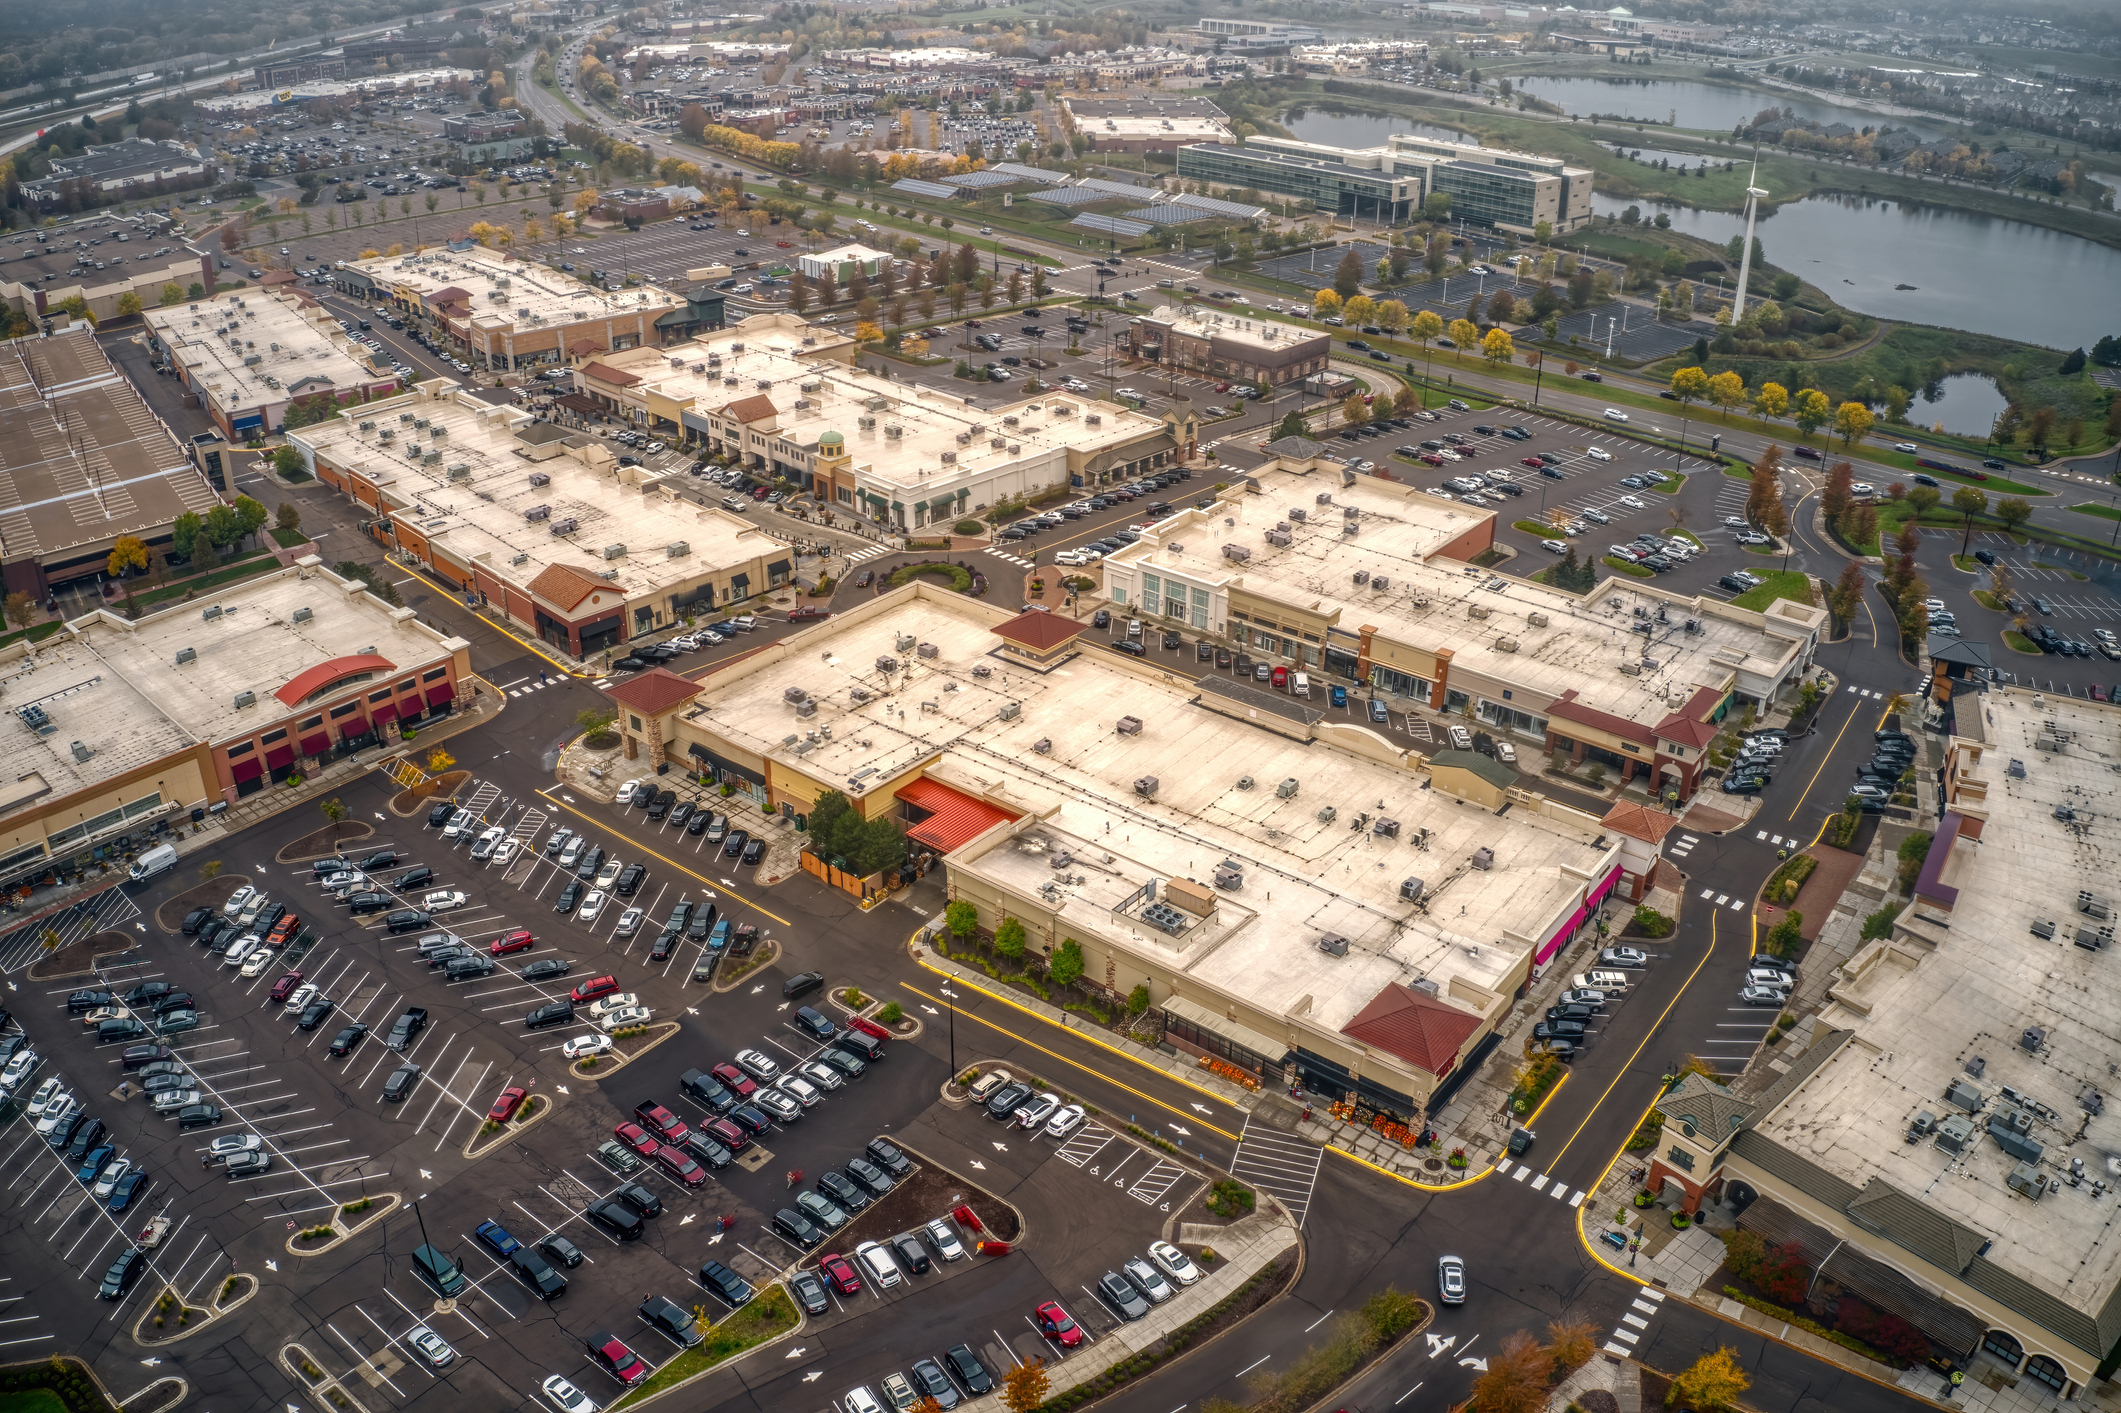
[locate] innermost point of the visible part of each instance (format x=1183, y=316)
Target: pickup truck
x=408, y=1025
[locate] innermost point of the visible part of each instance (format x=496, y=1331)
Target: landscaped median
x=1776, y=584
x=769, y=1316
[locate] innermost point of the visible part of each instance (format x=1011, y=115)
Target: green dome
x=831, y=439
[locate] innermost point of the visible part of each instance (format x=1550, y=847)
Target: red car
x=870, y=1027
x=285, y=986
x=797, y=615
x=661, y=1121
x=675, y=1163
x=785, y=244
x=615, y=1358
x=517, y=941
x=1532, y=461
x=840, y=1272
x=636, y=1138
x=1054, y=1324
x=730, y=1134
x=504, y=1108
x=735, y=1078
x=594, y=987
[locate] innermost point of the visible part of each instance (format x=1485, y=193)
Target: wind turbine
x=1753, y=193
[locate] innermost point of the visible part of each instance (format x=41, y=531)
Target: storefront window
x=1399, y=684
x=1508, y=718
x=1215, y=1044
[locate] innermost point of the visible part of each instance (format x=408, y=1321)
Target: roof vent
x=1379, y=583
x=894, y=431
x=302, y=615
x=1410, y=890
x=1229, y=877
x=677, y=549
x=1011, y=710
x=1145, y=785
x=1286, y=790
x=1537, y=620
x=244, y=699
x=1129, y=726
x=1362, y=576
x=537, y=512
x=211, y=612
x=1965, y=1096
x=185, y=655
x=614, y=551
x=539, y=478
x=1483, y=859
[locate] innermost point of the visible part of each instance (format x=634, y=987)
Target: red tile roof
x=1038, y=630
x=1689, y=725
x=605, y=373
x=750, y=409
x=1426, y=1033
x=653, y=692
x=956, y=819
x=1639, y=822
x=566, y=586
x=582, y=348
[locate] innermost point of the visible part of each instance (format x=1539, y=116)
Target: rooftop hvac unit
x=1506, y=645
x=1328, y=814
x=795, y=694
x=210, y=613
x=2092, y=940
x=2094, y=906
x=2032, y=1038
x=303, y=615
x=82, y=753
x=1386, y=829
x=894, y=431
x=1483, y=859
x=805, y=710
x=368, y=426
x=433, y=456
x=459, y=472
x=1362, y=576
x=420, y=422
x=1325, y=498
x=982, y=671
x=1955, y=1133
x=1239, y=553
x=2026, y=1150
x=2015, y=770
x=245, y=699
x=1166, y=919
x=887, y=665
x=2027, y=1181
x=859, y=694
x=1379, y=583
x=1129, y=726
x=677, y=549
x=1333, y=944
x=520, y=559
x=537, y=512
x=404, y=417
x=1245, y=782
x=1965, y=1096
x=614, y=551
x=1537, y=620
x=1229, y=877
x=185, y=655
x=868, y=423
x=387, y=433
x=2044, y=929
x=1631, y=669
x=1145, y=785
x=1062, y=409
x=949, y=458
x=1298, y=513
x=1011, y=710
x=1477, y=610
x=1421, y=600
x=904, y=642
x=539, y=478
x=1043, y=745
x=1286, y=790
x=1410, y=890
x=1280, y=539
x=997, y=442
x=1011, y=421
x=1093, y=419
x=928, y=651
x=565, y=527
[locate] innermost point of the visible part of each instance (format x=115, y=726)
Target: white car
x=56, y=1113
x=629, y=923
x=1614, y=414
x=608, y=874
x=442, y=900
x=632, y=1015
x=566, y=1397
x=460, y=824
x=1173, y=1262
x=171, y=1100
x=238, y=900
x=1909, y=447
x=821, y=1074
x=431, y=1347
x=759, y=1065
x=592, y=905
x=616, y=1001
x=504, y=851
x=1555, y=546
x=798, y=1089
x=581, y=1047
x=1506, y=753
x=241, y=948
x=112, y=1171
x=944, y=1239
x=1856, y=488
x=49, y=1092
x=1077, y=557
x=1599, y=453
x=876, y=1263
x=256, y=963
x=1631, y=502
x=1033, y=1115
x=345, y=881
x=18, y=1069
x=1066, y=1120
x=625, y=795
x=486, y=843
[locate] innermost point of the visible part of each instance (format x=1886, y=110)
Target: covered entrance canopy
x=946, y=819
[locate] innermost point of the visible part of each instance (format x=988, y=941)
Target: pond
x=1348, y=127
x=1713, y=107
x=1967, y=271
x=1965, y=404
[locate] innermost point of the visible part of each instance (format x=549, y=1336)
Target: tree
x=1812, y=410
x=1292, y=425
x=1009, y=939
x=1690, y=385
x=1712, y=1384
x=1773, y=400
x=128, y=304
x=2013, y=512
x=1852, y=420
x=1847, y=594
x=439, y=760
x=1726, y=390
x=21, y=609
x=1516, y=1380
x=1325, y=302
x=334, y=809
x=1359, y=310
x=596, y=721
x=1024, y=1387
x=287, y=460
x=960, y=919
x=1427, y=327
x=1838, y=494
x=1969, y=503
x=1464, y=334
x=1353, y=410
x=1924, y=499
x=1497, y=347
x=286, y=517
x=130, y=552
x=1347, y=276
x=1066, y=967
x=186, y=532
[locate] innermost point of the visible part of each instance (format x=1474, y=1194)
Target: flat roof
x=246, y=349
x=481, y=515
x=56, y=267
x=85, y=460
x=506, y=292
x=1920, y=1013
x=1430, y=602
x=1303, y=877
x=1233, y=328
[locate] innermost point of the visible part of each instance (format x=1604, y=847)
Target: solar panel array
x=1029, y=174
x=1139, y=193
x=1110, y=225
x=1069, y=196
x=1237, y=211
x=1168, y=214
x=913, y=186
x=972, y=181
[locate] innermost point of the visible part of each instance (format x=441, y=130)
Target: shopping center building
x=246, y=355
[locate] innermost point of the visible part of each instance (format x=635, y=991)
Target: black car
x=569, y=897
x=616, y=1219
x=344, y=1042
x=122, y=1273
x=869, y=1175
x=752, y=1120
x=403, y=1080
x=843, y=1190
x=697, y=825
x=139, y=1057
x=639, y=1198
x=887, y=1155
x=407, y=920
x=546, y=968
x=911, y=1254
x=559, y=1012
x=174, y=1001
x=809, y=1292
x=850, y=1066
x=560, y=1249
x=707, y=1150
x=314, y=1013
x=196, y=919
x=537, y=1273
x=734, y=844
x=120, y=1030
x=85, y=1137
x=792, y=1226
x=665, y=944
x=360, y=903
x=82, y=1002
x=1559, y=1030
x=414, y=878
x=727, y=1284
x=814, y=1023
x=381, y=858
x=966, y=1368
x=440, y=814
x=801, y=984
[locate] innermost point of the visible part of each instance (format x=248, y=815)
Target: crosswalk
x=1015, y=559
x=1284, y=1168
x=1868, y=692
x=1539, y=1181
x=1682, y=846
x=1724, y=899
x=1648, y=1301
x=871, y=552
x=1792, y=842
x=524, y=689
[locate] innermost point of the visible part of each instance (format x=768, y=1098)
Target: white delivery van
x=154, y=861
x=1299, y=685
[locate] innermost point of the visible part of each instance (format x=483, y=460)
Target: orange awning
x=953, y=816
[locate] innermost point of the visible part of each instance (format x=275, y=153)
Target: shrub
x=855, y=997
x=1651, y=923
x=1230, y=1199
x=1783, y=1275
x=1646, y=1134
x=1743, y=1252
x=969, y=527
x=891, y=1013
x=1879, y=924
x=1913, y=851
x=1137, y=1000
x=1784, y=883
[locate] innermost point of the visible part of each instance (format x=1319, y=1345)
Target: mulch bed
x=1822, y=890
x=921, y=1196
x=1196, y=1212
x=211, y=894
x=324, y=842
x=1656, y=1388
x=448, y=783
x=79, y=959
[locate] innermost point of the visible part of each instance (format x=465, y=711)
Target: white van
x=154, y=861
x=1299, y=685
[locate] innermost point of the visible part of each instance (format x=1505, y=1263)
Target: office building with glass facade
x=1310, y=173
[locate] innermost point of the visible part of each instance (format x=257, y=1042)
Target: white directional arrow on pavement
x=684, y=1219
x=1001, y=1147
x=141, y=925
x=947, y=992
x=150, y=1361
x=796, y=1353
x=978, y=1164
x=1469, y=1362
x=261, y=868
x=272, y=1265
x=1438, y=1346
x=715, y=1240
x=692, y=1010
x=562, y=1088
x=426, y=1175
x=813, y=1376
x=781, y=1007
x=379, y=815
x=1202, y=1109
x=924, y=1005
x=757, y=989
x=567, y=797
x=1182, y=1129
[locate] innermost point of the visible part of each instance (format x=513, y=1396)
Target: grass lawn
x=771, y=1314
x=1768, y=550
x=2104, y=512
x=288, y=539
x=1988, y=600
x=1967, y=562
x=1671, y=483
x=1687, y=535
x=1534, y=527
x=1625, y=567
x=2018, y=642
x=32, y=1400
x=1781, y=584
